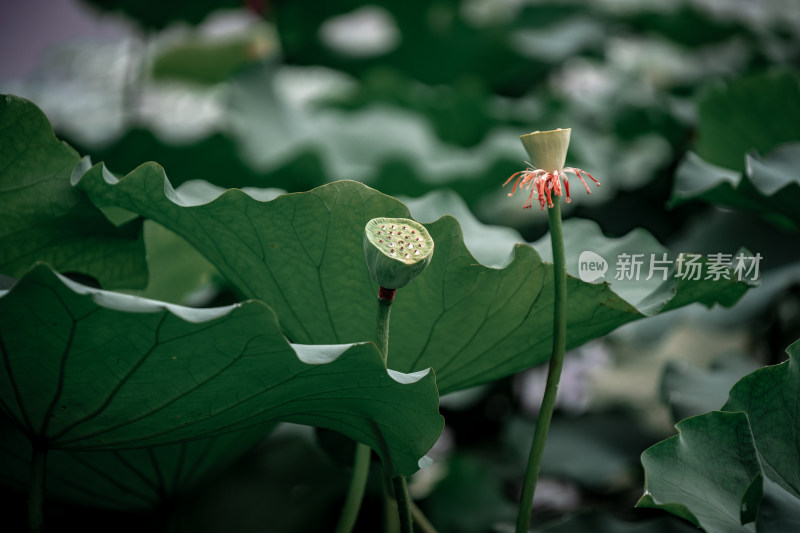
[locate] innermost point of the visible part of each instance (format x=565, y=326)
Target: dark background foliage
x=419, y=96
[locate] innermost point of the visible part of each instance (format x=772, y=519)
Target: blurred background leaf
x=747, y=151
x=421, y=98
x=757, y=113
x=154, y=15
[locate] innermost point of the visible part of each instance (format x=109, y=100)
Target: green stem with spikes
x=554, y=372
x=355, y=493
x=358, y=480
x=403, y=504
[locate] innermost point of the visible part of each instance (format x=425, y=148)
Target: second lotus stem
x=385, y=299
x=358, y=481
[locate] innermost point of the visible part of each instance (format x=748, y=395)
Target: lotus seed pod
x=397, y=250
x=547, y=149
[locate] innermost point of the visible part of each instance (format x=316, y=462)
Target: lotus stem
x=554, y=372
x=36, y=489
x=403, y=504
x=355, y=492
x=358, y=480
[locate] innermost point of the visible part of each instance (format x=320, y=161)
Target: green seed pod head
x=397, y=250
x=548, y=149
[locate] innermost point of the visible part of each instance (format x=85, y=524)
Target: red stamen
x=529, y=202
x=566, y=186
x=514, y=175
x=555, y=179
x=590, y=176
x=579, y=172
x=544, y=185
x=521, y=174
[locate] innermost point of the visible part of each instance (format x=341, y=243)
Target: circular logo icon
x=591, y=266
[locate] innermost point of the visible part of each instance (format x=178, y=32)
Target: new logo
x=591, y=266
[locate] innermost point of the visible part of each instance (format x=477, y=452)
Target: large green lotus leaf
x=178, y=273
x=43, y=218
x=708, y=474
x=89, y=369
x=771, y=398
x=735, y=469
x=124, y=479
x=492, y=246
x=769, y=186
x=302, y=254
x=757, y=113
